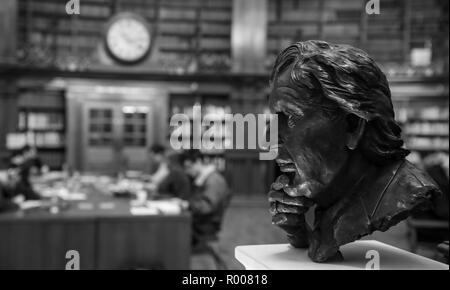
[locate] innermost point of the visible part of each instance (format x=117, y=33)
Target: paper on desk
x=30, y=204
x=107, y=205
x=165, y=206
x=86, y=206
x=143, y=210
x=154, y=207
x=62, y=193
x=74, y=196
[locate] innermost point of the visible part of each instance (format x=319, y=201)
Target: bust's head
x=332, y=101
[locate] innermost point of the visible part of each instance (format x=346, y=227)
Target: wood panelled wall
x=248, y=36
x=8, y=115
x=8, y=21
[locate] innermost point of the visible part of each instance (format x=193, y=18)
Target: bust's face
x=312, y=142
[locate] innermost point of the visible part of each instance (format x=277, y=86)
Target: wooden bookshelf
x=184, y=31
x=214, y=104
x=425, y=124
x=387, y=37
x=41, y=118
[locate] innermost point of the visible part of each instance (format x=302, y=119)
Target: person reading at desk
x=169, y=178
x=209, y=200
x=7, y=184
x=26, y=163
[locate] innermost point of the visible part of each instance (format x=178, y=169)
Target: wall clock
x=127, y=38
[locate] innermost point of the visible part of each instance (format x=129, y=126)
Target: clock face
x=128, y=38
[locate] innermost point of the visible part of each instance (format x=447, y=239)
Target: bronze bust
x=340, y=150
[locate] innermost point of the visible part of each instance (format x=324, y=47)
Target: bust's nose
x=283, y=156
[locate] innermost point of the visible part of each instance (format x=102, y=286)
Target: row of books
x=438, y=113
x=427, y=144
x=218, y=111
x=49, y=140
x=40, y=121
x=427, y=128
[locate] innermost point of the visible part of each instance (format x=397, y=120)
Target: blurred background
x=93, y=91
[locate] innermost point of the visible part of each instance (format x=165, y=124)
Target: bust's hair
x=352, y=80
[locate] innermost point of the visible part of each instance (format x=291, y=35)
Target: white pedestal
x=285, y=257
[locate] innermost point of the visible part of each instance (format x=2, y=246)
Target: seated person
x=209, y=200
x=26, y=162
x=169, y=178
x=7, y=191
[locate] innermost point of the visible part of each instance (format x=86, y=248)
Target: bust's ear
x=355, y=130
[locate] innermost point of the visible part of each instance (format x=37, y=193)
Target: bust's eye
x=291, y=121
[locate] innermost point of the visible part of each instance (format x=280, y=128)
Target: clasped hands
x=288, y=205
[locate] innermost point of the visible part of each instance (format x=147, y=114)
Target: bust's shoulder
x=388, y=198
x=415, y=175
x=408, y=189
x=410, y=181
